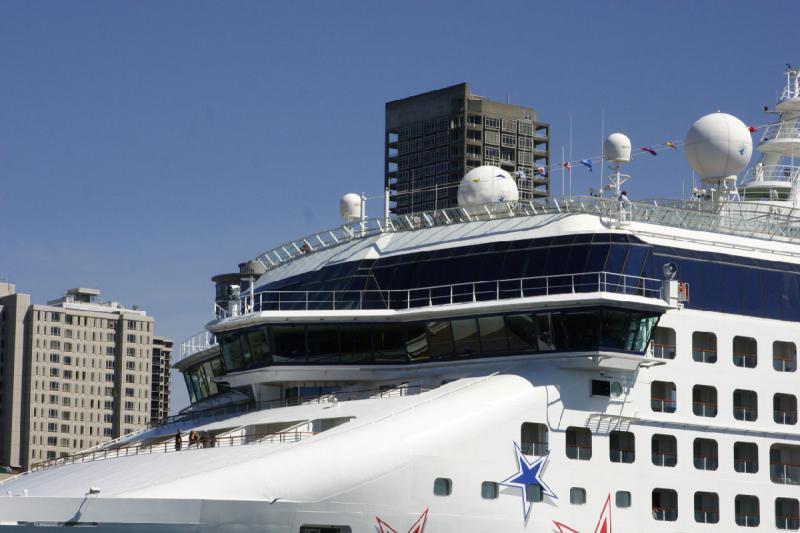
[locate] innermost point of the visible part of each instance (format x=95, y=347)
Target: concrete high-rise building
x=76, y=372
x=434, y=138
x=159, y=392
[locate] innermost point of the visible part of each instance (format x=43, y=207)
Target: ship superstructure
x=556, y=365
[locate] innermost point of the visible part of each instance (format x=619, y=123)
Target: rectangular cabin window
x=704, y=347
x=622, y=447
x=534, y=439
x=465, y=335
x=784, y=356
x=787, y=514
x=601, y=387
x=664, y=343
x=745, y=352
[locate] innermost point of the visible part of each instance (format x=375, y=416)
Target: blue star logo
x=528, y=473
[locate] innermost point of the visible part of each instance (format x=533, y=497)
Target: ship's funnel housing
x=351, y=207
x=487, y=185
x=718, y=146
x=617, y=148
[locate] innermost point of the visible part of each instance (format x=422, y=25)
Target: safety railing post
x=521, y=294
x=306, y=300
x=451, y=294
x=497, y=290
x=473, y=292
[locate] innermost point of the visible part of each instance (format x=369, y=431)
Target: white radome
x=617, y=148
x=718, y=145
x=350, y=207
x=487, y=185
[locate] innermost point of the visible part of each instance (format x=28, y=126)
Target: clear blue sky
x=146, y=146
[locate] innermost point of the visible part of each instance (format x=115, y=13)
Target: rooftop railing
x=781, y=131
x=786, y=174
x=196, y=343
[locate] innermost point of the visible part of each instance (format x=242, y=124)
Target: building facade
x=159, y=392
x=433, y=139
x=76, y=372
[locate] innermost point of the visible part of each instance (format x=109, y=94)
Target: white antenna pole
x=385, y=206
x=562, y=170
x=570, y=154
x=602, y=143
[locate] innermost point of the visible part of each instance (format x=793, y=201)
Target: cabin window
x=787, y=514
x=785, y=408
x=745, y=457
x=706, y=454
x=704, y=347
x=534, y=439
x=665, y=505
x=745, y=352
x=579, y=443
x=622, y=447
x=533, y=493
x=489, y=490
x=704, y=400
x=784, y=356
x=577, y=496
x=662, y=396
x=442, y=486
x=623, y=499
x=706, y=507
x=664, y=343
x=747, y=511
x=665, y=450
x=784, y=464
x=745, y=405
x=601, y=387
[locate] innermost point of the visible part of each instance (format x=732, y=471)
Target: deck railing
x=478, y=291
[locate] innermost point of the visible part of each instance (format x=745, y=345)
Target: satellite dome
x=350, y=207
x=718, y=146
x=617, y=148
x=486, y=185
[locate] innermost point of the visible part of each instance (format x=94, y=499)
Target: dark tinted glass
x=521, y=333
x=465, y=335
x=289, y=343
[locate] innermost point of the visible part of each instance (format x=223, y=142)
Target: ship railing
x=704, y=408
x=459, y=293
x=702, y=516
x=664, y=459
x=785, y=473
x=744, y=359
x=787, y=522
x=782, y=416
x=746, y=467
x=332, y=397
x=663, y=351
x=747, y=520
x=662, y=405
x=667, y=514
x=196, y=343
x=783, y=130
x=748, y=414
x=622, y=455
x=705, y=462
x=174, y=445
x=763, y=221
x=771, y=173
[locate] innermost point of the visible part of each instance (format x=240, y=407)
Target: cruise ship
x=578, y=364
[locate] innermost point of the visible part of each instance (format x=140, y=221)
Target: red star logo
x=418, y=527
x=603, y=523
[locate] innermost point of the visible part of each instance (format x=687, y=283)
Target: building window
x=706, y=507
x=662, y=396
x=787, y=514
x=785, y=408
x=491, y=123
x=623, y=499
x=784, y=356
x=665, y=450
x=706, y=454
x=665, y=505
x=622, y=447
x=745, y=405
x=489, y=490
x=442, y=486
x=664, y=343
x=704, y=400
x=534, y=439
x=745, y=352
x=577, y=496
x=745, y=457
x=747, y=511
x=704, y=347
x=579, y=443
x=784, y=462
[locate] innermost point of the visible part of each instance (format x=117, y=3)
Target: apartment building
x=76, y=372
x=433, y=139
x=159, y=392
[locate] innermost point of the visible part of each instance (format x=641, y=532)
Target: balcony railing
x=197, y=343
x=459, y=293
x=784, y=473
x=785, y=417
x=663, y=351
